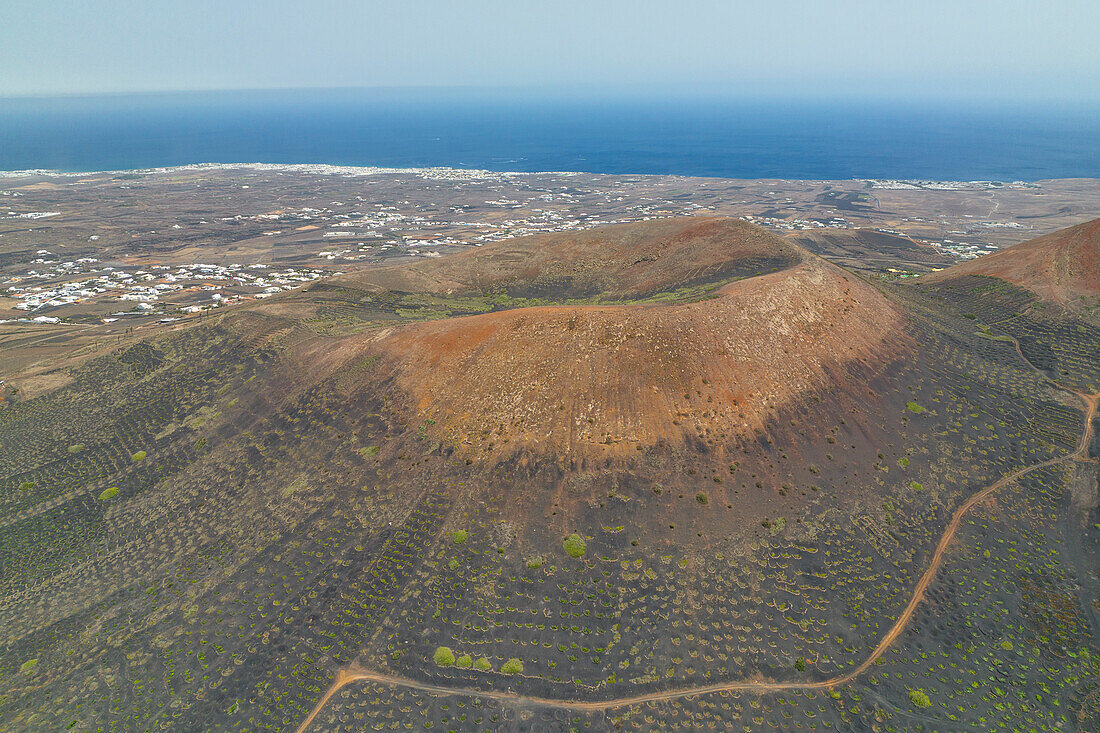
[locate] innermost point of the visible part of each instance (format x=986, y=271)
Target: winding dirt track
x=356, y=674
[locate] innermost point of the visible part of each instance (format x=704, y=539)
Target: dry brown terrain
x=1063, y=266
x=683, y=474
x=623, y=261
x=586, y=381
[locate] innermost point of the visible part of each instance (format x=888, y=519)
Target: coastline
x=456, y=173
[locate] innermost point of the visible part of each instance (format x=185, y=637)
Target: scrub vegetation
x=337, y=517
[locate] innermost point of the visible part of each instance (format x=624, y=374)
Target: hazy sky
x=921, y=48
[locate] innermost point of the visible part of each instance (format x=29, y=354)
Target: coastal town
x=151, y=247
x=85, y=289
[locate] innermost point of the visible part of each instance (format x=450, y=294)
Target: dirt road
x=355, y=674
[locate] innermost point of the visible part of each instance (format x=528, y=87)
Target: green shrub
x=800, y=664
x=919, y=699
x=76, y=447
x=109, y=493
x=512, y=666
x=482, y=665
x=139, y=456
x=465, y=661
x=26, y=486
x=28, y=666
x=574, y=545
x=458, y=536
x=370, y=450
x=534, y=563
x=701, y=498
x=443, y=656
x=1006, y=645
x=915, y=486
x=298, y=484
x=903, y=462
x=914, y=407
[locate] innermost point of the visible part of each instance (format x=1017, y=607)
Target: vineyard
x=206, y=530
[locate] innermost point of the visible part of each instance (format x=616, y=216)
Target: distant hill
x=613, y=263
x=1062, y=266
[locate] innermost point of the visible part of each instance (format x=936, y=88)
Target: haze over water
x=689, y=136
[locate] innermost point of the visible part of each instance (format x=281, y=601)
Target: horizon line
x=582, y=91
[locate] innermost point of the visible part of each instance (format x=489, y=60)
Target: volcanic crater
x=698, y=331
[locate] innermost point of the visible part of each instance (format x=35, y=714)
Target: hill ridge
x=1063, y=266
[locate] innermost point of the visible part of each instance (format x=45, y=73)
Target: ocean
x=720, y=137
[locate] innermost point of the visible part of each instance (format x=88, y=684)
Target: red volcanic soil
x=616, y=262
x=1062, y=266
x=606, y=380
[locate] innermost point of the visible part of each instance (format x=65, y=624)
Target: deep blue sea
x=724, y=137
